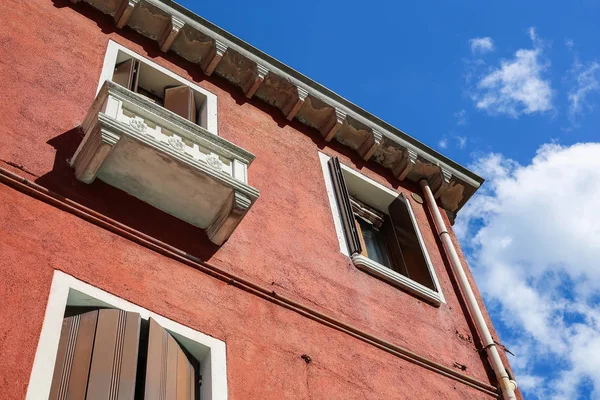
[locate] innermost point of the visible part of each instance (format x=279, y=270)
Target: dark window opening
x=161, y=89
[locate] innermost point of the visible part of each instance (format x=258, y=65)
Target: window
x=99, y=344
x=378, y=230
x=160, y=86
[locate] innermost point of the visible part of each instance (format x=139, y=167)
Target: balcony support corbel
x=228, y=218
x=95, y=147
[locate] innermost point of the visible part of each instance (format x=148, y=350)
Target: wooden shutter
x=127, y=74
x=392, y=245
x=180, y=100
x=343, y=200
x=97, y=355
x=169, y=373
x=406, y=229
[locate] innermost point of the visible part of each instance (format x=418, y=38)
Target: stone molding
x=170, y=33
x=391, y=276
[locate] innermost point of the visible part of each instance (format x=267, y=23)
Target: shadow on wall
x=118, y=205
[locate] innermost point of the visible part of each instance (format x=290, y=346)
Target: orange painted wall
x=51, y=57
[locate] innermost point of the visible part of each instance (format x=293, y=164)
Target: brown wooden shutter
x=97, y=355
x=180, y=100
x=343, y=200
x=126, y=74
x=169, y=373
x=410, y=247
x=392, y=245
x=72, y=365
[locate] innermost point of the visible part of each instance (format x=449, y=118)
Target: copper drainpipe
x=41, y=193
x=507, y=386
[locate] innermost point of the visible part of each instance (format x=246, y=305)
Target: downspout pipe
x=507, y=386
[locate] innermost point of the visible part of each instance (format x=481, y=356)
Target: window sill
x=374, y=268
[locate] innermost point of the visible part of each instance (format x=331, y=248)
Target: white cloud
x=461, y=142
x=569, y=43
x=533, y=238
x=585, y=80
x=482, y=45
x=518, y=85
x=443, y=143
x=461, y=117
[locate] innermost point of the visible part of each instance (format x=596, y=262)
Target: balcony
x=165, y=160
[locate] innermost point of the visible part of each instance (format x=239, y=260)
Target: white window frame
x=380, y=198
x=69, y=291
x=108, y=68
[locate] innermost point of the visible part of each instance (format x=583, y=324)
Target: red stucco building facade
x=296, y=317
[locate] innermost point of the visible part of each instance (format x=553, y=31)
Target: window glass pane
x=374, y=242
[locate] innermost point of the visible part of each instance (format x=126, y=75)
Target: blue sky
x=510, y=89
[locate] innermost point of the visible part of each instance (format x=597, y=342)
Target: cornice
x=218, y=52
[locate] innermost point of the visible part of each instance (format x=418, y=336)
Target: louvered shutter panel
x=393, y=246
x=406, y=233
x=180, y=100
x=343, y=200
x=126, y=74
x=97, y=355
x=72, y=365
x=169, y=373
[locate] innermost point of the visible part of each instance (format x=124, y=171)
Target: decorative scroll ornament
x=138, y=124
x=176, y=143
x=214, y=162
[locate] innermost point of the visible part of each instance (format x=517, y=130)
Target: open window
x=160, y=86
x=380, y=232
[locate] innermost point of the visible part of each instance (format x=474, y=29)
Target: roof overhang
x=296, y=96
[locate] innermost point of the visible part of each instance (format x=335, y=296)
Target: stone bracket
x=403, y=168
x=228, y=218
x=371, y=143
x=333, y=124
x=214, y=57
x=252, y=86
x=295, y=103
x=170, y=33
x=444, y=177
x=95, y=147
x=124, y=12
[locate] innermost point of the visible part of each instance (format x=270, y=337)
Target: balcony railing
x=165, y=160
